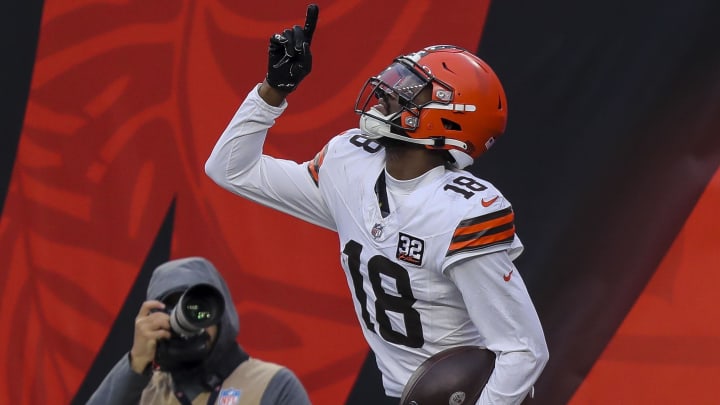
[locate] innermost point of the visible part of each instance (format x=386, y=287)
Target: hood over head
x=178, y=275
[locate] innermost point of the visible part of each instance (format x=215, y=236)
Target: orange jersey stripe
x=483, y=231
x=314, y=172
x=313, y=166
x=482, y=242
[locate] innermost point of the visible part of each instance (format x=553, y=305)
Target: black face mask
x=182, y=353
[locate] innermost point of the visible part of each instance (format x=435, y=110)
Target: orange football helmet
x=464, y=113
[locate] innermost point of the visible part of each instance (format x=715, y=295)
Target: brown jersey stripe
x=483, y=232
x=313, y=166
x=484, y=218
x=507, y=218
x=483, y=242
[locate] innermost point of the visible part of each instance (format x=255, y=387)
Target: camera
x=191, y=311
x=197, y=308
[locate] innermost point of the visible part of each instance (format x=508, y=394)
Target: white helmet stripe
x=451, y=107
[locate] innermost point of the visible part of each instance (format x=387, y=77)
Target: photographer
x=185, y=350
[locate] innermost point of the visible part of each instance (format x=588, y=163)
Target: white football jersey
x=408, y=308
x=405, y=264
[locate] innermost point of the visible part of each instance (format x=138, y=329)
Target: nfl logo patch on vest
x=229, y=396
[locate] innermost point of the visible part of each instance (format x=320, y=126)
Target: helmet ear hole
x=450, y=125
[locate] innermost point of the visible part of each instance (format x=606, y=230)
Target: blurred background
x=109, y=109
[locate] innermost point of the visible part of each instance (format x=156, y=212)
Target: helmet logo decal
x=490, y=142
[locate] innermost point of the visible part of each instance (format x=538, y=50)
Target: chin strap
x=375, y=125
x=184, y=400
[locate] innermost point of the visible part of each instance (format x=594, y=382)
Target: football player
x=427, y=247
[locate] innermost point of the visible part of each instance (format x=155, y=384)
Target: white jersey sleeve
x=500, y=307
x=238, y=165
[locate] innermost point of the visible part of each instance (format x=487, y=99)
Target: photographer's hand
x=150, y=325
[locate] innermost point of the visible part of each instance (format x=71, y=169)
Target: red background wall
x=609, y=160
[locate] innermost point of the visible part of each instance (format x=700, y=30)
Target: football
x=454, y=376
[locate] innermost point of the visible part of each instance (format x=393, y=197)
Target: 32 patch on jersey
x=410, y=249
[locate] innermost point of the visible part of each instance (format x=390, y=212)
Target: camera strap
x=184, y=400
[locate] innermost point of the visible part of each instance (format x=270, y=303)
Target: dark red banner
x=126, y=102
x=610, y=159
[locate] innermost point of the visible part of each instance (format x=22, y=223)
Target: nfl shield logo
x=457, y=398
x=376, y=231
x=229, y=396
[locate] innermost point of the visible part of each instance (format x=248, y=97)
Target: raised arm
x=237, y=163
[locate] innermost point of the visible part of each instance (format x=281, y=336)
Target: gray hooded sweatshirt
x=237, y=378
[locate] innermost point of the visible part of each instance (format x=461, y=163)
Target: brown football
x=454, y=376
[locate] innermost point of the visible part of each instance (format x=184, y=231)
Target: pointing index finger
x=311, y=17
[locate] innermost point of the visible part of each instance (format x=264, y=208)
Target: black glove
x=289, y=58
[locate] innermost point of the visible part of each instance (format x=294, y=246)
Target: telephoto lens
x=199, y=306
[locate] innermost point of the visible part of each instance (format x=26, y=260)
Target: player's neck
x=408, y=163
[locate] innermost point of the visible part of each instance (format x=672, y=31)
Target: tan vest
x=250, y=378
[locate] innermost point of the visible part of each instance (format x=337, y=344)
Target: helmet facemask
x=389, y=105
